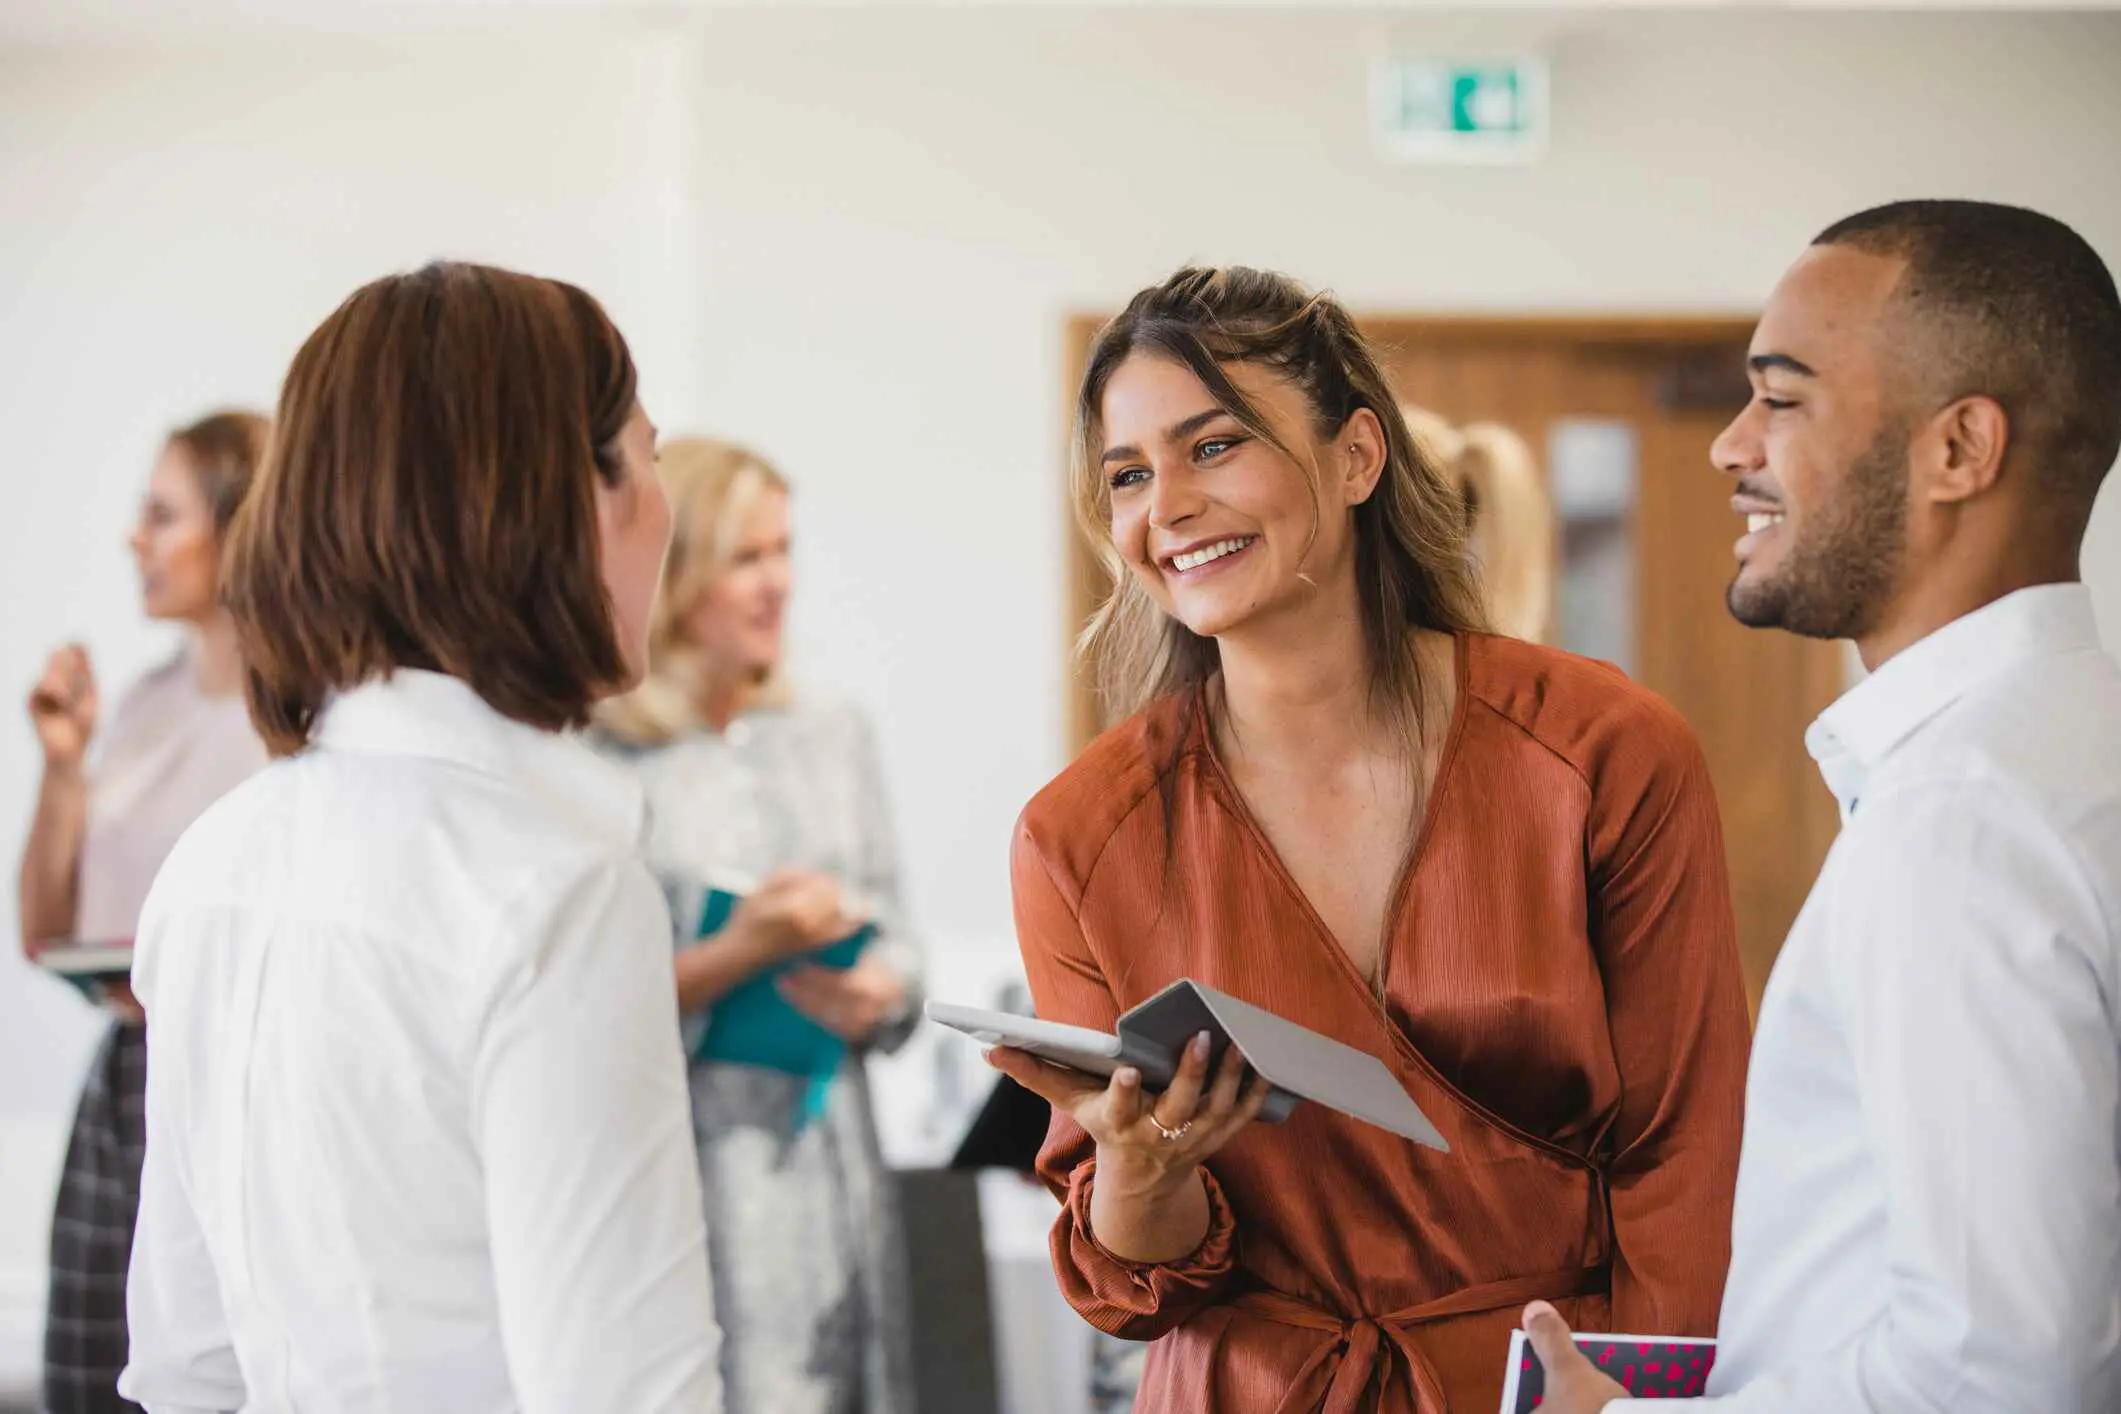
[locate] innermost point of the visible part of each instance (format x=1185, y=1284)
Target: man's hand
x=1574, y=1384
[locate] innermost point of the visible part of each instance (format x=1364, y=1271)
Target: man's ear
x=1960, y=450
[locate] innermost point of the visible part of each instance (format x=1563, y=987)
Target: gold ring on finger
x=1171, y=1136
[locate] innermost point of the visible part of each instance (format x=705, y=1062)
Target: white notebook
x=87, y=961
x=1299, y=1063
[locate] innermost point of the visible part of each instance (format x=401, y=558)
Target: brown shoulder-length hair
x=1412, y=567
x=224, y=450
x=428, y=501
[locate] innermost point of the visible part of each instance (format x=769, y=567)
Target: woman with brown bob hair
x=1495, y=866
x=417, y=1128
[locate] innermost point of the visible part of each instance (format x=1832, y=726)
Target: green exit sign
x=1445, y=110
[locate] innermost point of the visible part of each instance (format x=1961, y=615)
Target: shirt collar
x=1871, y=719
x=413, y=712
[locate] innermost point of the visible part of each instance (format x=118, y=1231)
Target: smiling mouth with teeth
x=1759, y=521
x=1207, y=554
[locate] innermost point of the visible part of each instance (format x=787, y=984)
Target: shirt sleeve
x=1139, y=1301
x=1974, y=968
x=1676, y=1011
x=582, y=1122
x=181, y=1358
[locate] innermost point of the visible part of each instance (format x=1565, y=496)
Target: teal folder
x=753, y=1024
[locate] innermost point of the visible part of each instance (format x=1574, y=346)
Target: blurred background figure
x=1509, y=517
x=775, y=796
x=178, y=740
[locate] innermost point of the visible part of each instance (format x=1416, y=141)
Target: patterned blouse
x=802, y=1227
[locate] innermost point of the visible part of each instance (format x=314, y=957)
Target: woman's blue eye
x=1215, y=446
x=1128, y=476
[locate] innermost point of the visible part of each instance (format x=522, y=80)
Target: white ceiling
x=151, y=21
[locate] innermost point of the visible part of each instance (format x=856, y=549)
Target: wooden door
x=1661, y=389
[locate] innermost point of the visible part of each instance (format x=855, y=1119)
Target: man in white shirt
x=1928, y=1217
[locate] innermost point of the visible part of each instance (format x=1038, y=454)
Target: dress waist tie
x=1340, y=1371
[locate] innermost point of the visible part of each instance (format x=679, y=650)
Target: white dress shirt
x=418, y=1137
x=1929, y=1203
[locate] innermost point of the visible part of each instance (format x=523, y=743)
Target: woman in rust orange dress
x=1494, y=865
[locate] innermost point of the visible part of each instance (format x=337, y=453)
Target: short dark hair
x=2018, y=307
x=225, y=449
x=428, y=501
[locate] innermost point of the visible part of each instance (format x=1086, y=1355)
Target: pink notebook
x=1647, y=1367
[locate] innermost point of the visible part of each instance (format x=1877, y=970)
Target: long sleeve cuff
x=1139, y=1300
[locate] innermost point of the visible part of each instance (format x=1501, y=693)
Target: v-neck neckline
x=1403, y=883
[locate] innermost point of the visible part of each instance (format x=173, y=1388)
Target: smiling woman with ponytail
x=1496, y=866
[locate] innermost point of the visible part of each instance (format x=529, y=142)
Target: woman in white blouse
x=417, y=1127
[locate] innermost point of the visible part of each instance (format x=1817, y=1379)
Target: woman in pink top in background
x=178, y=739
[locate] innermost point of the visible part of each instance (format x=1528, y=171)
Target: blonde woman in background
x=178, y=740
x=748, y=780
x=1510, y=518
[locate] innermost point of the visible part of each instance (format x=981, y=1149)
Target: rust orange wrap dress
x=1561, y=995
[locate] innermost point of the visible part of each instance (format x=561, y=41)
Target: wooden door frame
x=1086, y=579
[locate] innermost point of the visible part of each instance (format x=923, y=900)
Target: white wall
x=176, y=223
x=900, y=206
x=851, y=236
